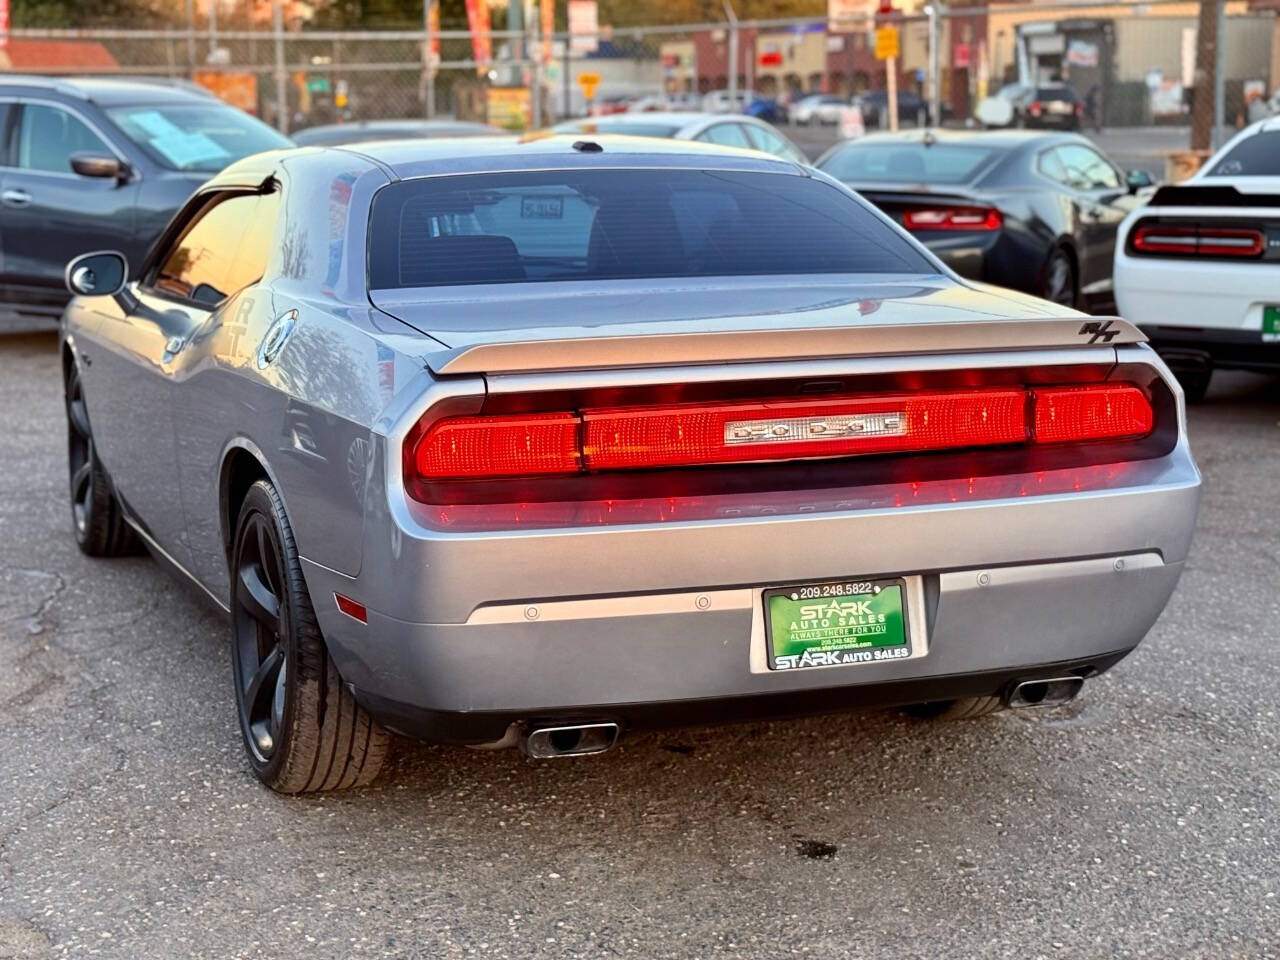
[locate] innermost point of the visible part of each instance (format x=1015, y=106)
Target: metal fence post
x=733, y=55
x=428, y=64
x=1219, y=80
x=282, y=91
x=191, y=39
x=935, y=65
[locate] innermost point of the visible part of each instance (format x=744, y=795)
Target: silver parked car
x=536, y=443
x=726, y=130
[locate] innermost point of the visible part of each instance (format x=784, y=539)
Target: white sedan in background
x=818, y=108
x=1198, y=269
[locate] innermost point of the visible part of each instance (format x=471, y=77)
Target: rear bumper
x=1229, y=349
x=642, y=623
x=1213, y=299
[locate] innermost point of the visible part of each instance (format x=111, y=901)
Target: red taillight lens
x=652, y=437
x=1036, y=108
x=953, y=218
x=746, y=432
x=1193, y=239
x=509, y=446
x=1099, y=412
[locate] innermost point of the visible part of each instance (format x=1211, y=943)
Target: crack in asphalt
x=35, y=621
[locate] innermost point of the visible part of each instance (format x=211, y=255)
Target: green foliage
x=100, y=13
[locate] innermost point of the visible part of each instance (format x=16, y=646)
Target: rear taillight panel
x=978, y=219
x=1218, y=240
x=602, y=449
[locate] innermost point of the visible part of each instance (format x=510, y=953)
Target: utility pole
x=282, y=89
x=733, y=56
x=213, y=29
x=1206, y=80
x=1219, y=77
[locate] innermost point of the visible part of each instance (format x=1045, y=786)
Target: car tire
x=1058, y=279
x=303, y=729
x=96, y=517
x=965, y=708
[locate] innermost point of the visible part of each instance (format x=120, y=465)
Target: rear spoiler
x=805, y=343
x=1211, y=196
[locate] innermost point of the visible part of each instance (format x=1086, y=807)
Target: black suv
x=94, y=164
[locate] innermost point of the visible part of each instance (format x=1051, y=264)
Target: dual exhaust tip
x=1044, y=693
x=570, y=740
x=583, y=739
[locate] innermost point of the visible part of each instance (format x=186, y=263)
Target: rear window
x=907, y=163
x=612, y=224
x=630, y=129
x=1255, y=156
x=1056, y=93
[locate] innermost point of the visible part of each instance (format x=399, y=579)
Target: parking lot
x=1136, y=822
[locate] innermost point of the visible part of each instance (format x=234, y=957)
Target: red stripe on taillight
x=953, y=218
x=649, y=437
x=1193, y=239
x=629, y=439
x=508, y=446
x=1097, y=412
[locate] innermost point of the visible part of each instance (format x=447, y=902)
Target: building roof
x=23, y=54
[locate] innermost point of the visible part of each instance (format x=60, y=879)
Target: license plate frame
x=852, y=590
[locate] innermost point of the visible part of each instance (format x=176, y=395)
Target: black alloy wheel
x=303, y=729
x=97, y=520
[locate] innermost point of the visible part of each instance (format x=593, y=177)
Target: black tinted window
x=48, y=136
x=608, y=224
x=907, y=163
x=1056, y=93
x=1255, y=156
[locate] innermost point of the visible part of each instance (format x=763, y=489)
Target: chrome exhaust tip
x=1045, y=693
x=573, y=740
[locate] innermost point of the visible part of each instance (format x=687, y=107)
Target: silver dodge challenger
x=536, y=443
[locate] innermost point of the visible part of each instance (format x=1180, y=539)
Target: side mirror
x=101, y=274
x=1138, y=180
x=99, y=165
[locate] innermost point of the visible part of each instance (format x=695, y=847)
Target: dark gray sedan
x=537, y=443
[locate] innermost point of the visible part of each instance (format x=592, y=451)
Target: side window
x=48, y=135
x=725, y=134
x=202, y=265
x=1087, y=169
x=1051, y=166
x=256, y=242
x=765, y=139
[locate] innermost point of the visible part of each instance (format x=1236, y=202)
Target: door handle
x=15, y=198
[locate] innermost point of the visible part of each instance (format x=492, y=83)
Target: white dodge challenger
x=1198, y=269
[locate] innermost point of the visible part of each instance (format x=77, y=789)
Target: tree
x=1202, y=100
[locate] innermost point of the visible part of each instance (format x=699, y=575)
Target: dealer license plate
x=1271, y=323
x=836, y=623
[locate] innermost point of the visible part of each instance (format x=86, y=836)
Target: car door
x=138, y=351
x=1102, y=200
x=48, y=212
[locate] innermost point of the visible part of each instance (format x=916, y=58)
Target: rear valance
x=783, y=344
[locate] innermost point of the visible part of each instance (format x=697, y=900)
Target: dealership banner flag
x=481, y=42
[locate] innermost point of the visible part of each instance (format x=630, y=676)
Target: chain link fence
x=1128, y=64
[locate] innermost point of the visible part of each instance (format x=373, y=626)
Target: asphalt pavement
x=1139, y=821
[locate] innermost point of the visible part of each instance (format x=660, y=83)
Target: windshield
x=906, y=163
x=611, y=224
x=195, y=136
x=1255, y=156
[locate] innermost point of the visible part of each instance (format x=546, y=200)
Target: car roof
x=112, y=91
x=416, y=157
x=999, y=139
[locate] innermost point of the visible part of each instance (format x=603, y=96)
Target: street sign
x=588, y=82
x=886, y=43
